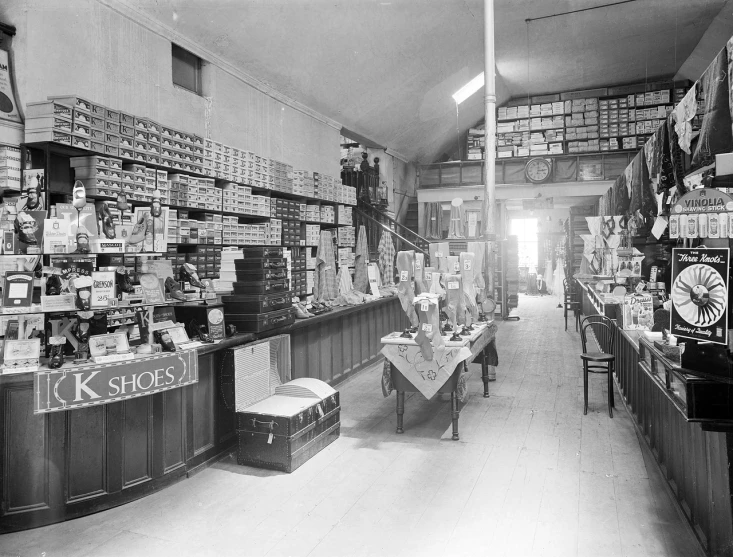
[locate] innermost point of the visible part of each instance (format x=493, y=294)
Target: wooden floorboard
x=531, y=476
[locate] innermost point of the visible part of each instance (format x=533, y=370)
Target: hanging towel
x=361, y=278
x=386, y=259
x=325, y=287
x=684, y=112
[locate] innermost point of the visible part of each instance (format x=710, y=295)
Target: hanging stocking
x=469, y=288
x=440, y=252
x=405, y=292
x=420, y=286
x=453, y=298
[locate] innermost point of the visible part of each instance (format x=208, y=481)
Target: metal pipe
x=489, y=141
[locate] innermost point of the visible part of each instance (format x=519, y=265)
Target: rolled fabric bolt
x=453, y=297
x=469, y=288
x=404, y=287
x=420, y=287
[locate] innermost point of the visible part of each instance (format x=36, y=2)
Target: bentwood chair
x=570, y=303
x=601, y=331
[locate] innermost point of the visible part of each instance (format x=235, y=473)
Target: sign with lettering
x=8, y=104
x=704, y=200
x=700, y=294
x=79, y=386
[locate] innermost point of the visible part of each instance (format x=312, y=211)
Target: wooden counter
x=67, y=464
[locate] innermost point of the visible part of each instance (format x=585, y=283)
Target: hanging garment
x=467, y=261
x=386, y=259
x=729, y=48
x=456, y=227
x=621, y=196
x=361, y=260
x=548, y=277
x=684, y=112
x=479, y=250
x=676, y=156
x=343, y=279
x=652, y=155
x=405, y=292
x=453, y=297
x=433, y=221
x=420, y=286
x=324, y=287
x=666, y=168
x=558, y=285
x=715, y=131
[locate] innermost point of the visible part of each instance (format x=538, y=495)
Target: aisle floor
x=531, y=476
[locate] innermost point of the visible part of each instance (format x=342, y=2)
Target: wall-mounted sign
x=80, y=386
x=704, y=200
x=700, y=294
x=8, y=104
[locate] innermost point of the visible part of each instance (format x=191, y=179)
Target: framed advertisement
x=8, y=104
x=700, y=294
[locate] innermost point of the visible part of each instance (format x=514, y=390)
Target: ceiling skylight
x=469, y=88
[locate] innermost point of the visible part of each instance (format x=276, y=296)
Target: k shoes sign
x=81, y=386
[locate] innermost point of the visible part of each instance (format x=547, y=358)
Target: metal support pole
x=489, y=142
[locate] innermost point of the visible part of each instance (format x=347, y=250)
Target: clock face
x=537, y=170
x=216, y=316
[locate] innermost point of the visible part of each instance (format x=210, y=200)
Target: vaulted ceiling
x=387, y=69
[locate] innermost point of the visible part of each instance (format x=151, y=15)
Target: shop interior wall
x=87, y=49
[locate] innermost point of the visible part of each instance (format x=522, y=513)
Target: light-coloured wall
x=85, y=48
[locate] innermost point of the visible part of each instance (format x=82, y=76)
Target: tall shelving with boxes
x=577, y=122
x=217, y=197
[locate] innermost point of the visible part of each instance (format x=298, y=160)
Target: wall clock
x=538, y=170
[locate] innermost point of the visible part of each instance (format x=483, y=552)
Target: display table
x=64, y=464
x=410, y=372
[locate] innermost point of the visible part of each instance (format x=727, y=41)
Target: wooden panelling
x=203, y=400
x=137, y=441
x=174, y=454
x=25, y=453
x=86, y=461
x=695, y=463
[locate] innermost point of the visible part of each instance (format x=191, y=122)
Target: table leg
x=400, y=410
x=454, y=413
x=485, y=373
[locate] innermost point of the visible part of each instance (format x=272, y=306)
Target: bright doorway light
x=469, y=88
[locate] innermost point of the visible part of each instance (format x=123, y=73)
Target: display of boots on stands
x=187, y=273
x=174, y=289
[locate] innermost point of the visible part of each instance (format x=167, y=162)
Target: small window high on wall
x=186, y=69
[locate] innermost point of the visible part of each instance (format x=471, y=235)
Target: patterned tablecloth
x=429, y=376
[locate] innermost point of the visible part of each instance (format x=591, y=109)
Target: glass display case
x=698, y=399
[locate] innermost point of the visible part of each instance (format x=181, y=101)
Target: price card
x=438, y=254
x=429, y=277
x=467, y=265
x=452, y=285
x=427, y=327
x=404, y=276
x=456, y=266
x=424, y=306
x=418, y=264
